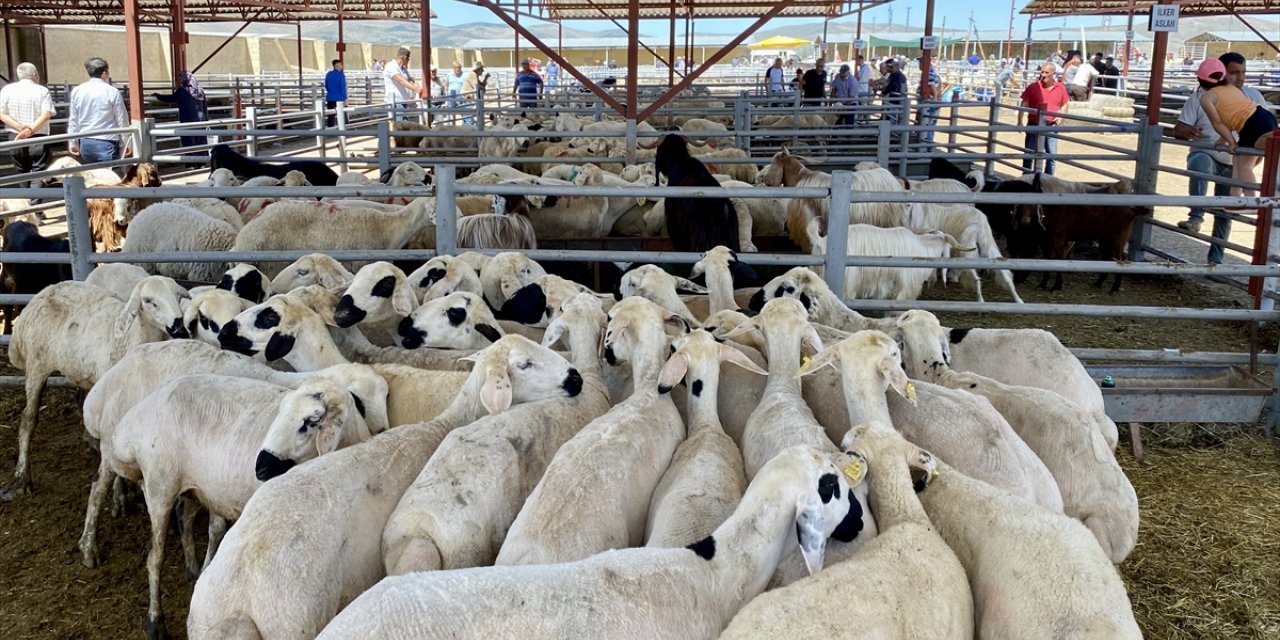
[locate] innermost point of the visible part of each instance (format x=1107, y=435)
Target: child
x=1232, y=112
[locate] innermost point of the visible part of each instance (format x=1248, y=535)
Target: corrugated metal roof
x=1142, y=7
x=1226, y=36
x=159, y=11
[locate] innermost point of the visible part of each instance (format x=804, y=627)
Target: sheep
x=462, y=311
x=886, y=283
x=100, y=176
x=970, y=228
x=221, y=178
x=377, y=299
x=802, y=121
x=443, y=275
x=694, y=224
x=1032, y=573
x=315, y=268
x=109, y=218
x=1065, y=436
x=504, y=147
x=652, y=283
x=1030, y=357
x=24, y=237
x=457, y=512
x=214, y=208
x=249, y=208
x=877, y=589
x=224, y=157
x=316, y=225
x=620, y=455
x=201, y=433
x=957, y=426
x=781, y=418
x=788, y=170
x=354, y=178
x=406, y=174
x=705, y=481
x=246, y=281
x=689, y=592
x=737, y=171
x=704, y=126
x=167, y=227
x=209, y=310
x=501, y=171
x=81, y=330
x=117, y=277
x=507, y=272
x=508, y=226
x=290, y=543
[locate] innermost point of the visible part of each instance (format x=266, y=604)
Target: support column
x=633, y=61
x=424, y=17
x=1008, y=43
x=8, y=51
x=1155, y=90
x=133, y=58
x=1128, y=42
x=671, y=48
x=301, y=100
x=926, y=56
x=178, y=36
x=857, y=35
x=342, y=39
x=1026, y=52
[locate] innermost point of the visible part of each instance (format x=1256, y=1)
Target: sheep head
x=781, y=320
x=315, y=268
x=379, y=292
x=515, y=369
x=313, y=420
x=271, y=328
x=579, y=312
x=699, y=351
x=443, y=275
x=207, y=312
x=246, y=281
x=867, y=357
x=884, y=447
x=158, y=301
x=636, y=325
x=800, y=283
x=457, y=321
x=925, y=346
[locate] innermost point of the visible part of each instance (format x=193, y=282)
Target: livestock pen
x=1126, y=327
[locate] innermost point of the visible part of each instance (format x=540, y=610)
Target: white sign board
x=859, y=44
x=1128, y=35
x=1027, y=42
x=929, y=42
x=1164, y=17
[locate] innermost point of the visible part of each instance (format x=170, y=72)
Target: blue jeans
x=1035, y=142
x=95, y=150
x=1202, y=162
x=928, y=118
x=399, y=109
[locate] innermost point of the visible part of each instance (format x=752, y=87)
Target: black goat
x=694, y=224
x=224, y=157
x=999, y=216
x=23, y=237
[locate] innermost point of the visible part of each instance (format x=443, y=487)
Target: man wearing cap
x=844, y=93
x=401, y=90
x=1045, y=95
x=474, y=83
x=1193, y=124
x=894, y=89
x=527, y=86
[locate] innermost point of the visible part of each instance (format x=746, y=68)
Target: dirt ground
x=1204, y=566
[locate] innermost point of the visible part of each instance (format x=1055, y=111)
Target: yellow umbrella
x=778, y=42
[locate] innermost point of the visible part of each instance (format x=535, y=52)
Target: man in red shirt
x=1047, y=95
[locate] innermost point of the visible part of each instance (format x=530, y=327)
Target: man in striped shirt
x=96, y=106
x=25, y=109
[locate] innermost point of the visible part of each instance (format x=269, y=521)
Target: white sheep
x=354, y=179
x=246, y=281
x=958, y=427
x=214, y=208
x=659, y=287
x=705, y=481
x=221, y=178
x=782, y=419
x=719, y=265
x=406, y=174
x=315, y=268
x=292, y=561
x=249, y=208
x=209, y=310
x=457, y=512
x=506, y=273
x=632, y=594
x=877, y=590
x=117, y=277
x=970, y=228
x=1065, y=436
x=81, y=330
x=886, y=283
x=443, y=275
x=168, y=227
x=537, y=303
x=377, y=299
x=1033, y=573
x=322, y=225
x=619, y=458
x=201, y=433
x=457, y=321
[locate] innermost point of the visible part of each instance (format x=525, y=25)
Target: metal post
x=992, y=120
x=1264, y=235
x=251, y=114
x=73, y=194
x=739, y=121
x=905, y=119
x=951, y=137
x=446, y=211
x=1145, y=181
x=599, y=110
x=631, y=141
x=883, y=140
x=479, y=109
x=838, y=230
x=133, y=58
x=318, y=105
x=746, y=126
x=342, y=126
x=384, y=148
x=144, y=148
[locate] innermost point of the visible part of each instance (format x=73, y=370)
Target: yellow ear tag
x=911, y=391
x=854, y=471
x=805, y=363
x=934, y=474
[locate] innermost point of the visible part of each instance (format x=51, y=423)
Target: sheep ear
x=403, y=300
x=892, y=372
x=129, y=314
x=828, y=357
x=191, y=314
x=673, y=372
x=697, y=270
x=812, y=340
x=278, y=346
x=740, y=330
x=553, y=332
x=676, y=321
x=328, y=436
x=731, y=354
x=686, y=285
x=810, y=532
x=335, y=280
x=495, y=393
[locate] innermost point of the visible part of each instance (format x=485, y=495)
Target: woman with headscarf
x=191, y=104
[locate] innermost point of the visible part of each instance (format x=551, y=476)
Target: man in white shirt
x=25, y=109
x=1193, y=124
x=864, y=76
x=95, y=106
x=1081, y=87
x=774, y=78
x=401, y=90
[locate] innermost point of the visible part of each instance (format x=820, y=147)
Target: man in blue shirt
x=335, y=91
x=527, y=86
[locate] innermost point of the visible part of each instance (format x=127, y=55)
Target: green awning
x=907, y=43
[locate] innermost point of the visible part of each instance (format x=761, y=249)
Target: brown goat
x=107, y=223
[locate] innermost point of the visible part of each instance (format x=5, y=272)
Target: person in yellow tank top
x=1232, y=112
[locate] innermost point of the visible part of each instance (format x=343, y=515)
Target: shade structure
x=777, y=42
